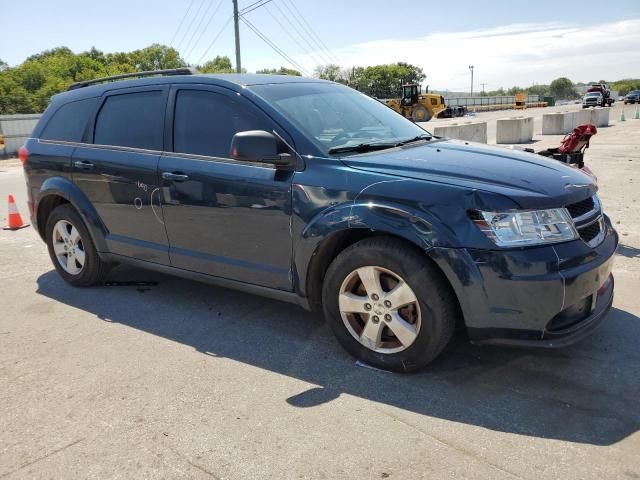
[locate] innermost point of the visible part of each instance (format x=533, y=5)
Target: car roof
x=234, y=81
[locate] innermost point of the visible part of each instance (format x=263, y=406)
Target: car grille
x=590, y=232
x=580, y=208
x=587, y=218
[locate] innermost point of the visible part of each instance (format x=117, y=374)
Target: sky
x=508, y=42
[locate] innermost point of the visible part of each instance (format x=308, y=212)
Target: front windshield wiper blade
x=363, y=147
x=424, y=136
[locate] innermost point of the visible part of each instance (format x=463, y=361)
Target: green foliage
x=563, y=89
x=28, y=87
x=381, y=81
x=280, y=71
x=331, y=72
x=220, y=64
x=625, y=86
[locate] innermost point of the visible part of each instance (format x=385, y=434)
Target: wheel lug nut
x=367, y=306
x=375, y=319
x=374, y=297
x=387, y=303
x=387, y=317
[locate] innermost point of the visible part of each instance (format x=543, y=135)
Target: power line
x=193, y=19
x=273, y=46
x=314, y=35
x=315, y=59
x=198, y=25
x=303, y=37
x=206, y=27
x=181, y=22
x=248, y=8
x=226, y=24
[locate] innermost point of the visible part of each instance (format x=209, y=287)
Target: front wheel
x=71, y=249
x=388, y=305
x=420, y=114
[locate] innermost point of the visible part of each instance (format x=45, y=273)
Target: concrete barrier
x=600, y=116
x=557, y=123
x=472, y=132
x=514, y=130
x=582, y=116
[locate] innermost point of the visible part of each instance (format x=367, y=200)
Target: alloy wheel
x=379, y=309
x=68, y=247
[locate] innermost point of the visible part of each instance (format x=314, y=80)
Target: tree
x=385, y=81
x=542, y=90
x=28, y=87
x=562, y=88
x=331, y=72
x=220, y=64
x=280, y=71
x=156, y=57
x=3, y=65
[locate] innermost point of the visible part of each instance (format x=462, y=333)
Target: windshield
x=593, y=94
x=335, y=116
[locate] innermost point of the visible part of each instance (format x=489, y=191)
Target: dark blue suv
x=310, y=192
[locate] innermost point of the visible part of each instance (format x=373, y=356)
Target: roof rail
x=150, y=73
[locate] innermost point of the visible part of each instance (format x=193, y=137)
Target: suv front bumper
x=546, y=296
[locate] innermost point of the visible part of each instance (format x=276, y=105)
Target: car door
x=117, y=169
x=223, y=217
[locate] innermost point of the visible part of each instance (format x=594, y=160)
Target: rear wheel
x=71, y=249
x=388, y=305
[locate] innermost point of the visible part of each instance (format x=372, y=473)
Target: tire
x=86, y=268
x=420, y=114
x=434, y=312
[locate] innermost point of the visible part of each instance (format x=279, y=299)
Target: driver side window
x=205, y=122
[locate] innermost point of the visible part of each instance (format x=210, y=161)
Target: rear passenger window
x=205, y=123
x=132, y=120
x=69, y=121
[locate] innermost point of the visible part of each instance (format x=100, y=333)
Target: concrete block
x=600, y=116
x=555, y=123
x=582, y=117
x=469, y=131
x=561, y=123
x=514, y=130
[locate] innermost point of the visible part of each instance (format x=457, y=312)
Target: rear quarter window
x=69, y=122
x=132, y=120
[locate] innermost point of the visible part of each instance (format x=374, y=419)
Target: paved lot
x=183, y=380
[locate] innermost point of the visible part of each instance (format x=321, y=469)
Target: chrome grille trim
x=591, y=213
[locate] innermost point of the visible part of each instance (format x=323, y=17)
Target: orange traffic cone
x=15, y=220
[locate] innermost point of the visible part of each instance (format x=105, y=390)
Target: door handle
x=175, y=177
x=83, y=165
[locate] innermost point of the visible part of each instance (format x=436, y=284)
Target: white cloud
x=520, y=54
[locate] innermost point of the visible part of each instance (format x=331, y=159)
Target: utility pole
x=235, y=24
x=471, y=70
x=483, y=84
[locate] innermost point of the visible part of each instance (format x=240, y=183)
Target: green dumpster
x=551, y=101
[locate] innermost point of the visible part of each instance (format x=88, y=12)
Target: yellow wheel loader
x=415, y=105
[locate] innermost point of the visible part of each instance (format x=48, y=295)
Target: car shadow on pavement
x=628, y=251
x=586, y=393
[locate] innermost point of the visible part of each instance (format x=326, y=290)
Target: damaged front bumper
x=547, y=296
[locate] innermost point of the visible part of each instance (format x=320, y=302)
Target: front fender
x=63, y=187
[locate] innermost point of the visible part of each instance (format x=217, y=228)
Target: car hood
x=530, y=180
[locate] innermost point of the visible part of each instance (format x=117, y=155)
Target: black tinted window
x=69, y=121
x=131, y=120
x=205, y=123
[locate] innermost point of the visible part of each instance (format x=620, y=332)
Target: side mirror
x=261, y=147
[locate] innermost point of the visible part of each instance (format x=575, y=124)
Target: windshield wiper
x=424, y=136
x=363, y=147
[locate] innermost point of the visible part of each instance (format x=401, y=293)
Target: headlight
x=532, y=227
